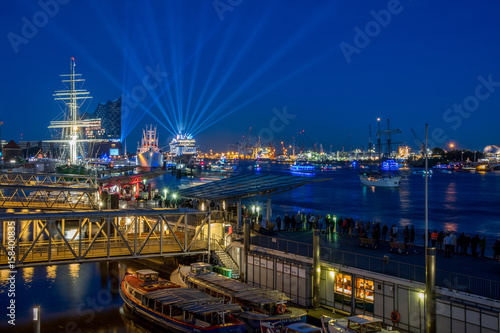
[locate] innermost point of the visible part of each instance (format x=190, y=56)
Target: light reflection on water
x=28, y=275
x=74, y=269
x=51, y=272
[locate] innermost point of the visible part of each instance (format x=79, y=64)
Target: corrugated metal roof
x=192, y=300
x=242, y=291
x=247, y=185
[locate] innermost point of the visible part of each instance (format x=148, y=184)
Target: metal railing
x=445, y=279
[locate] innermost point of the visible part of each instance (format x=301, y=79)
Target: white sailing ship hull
x=380, y=181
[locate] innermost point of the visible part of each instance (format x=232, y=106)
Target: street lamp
x=165, y=191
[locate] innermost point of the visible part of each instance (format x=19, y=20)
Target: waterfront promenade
x=465, y=273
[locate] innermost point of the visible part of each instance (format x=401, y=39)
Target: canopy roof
x=192, y=300
x=247, y=185
x=242, y=291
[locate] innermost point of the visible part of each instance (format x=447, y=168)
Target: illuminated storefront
x=363, y=296
x=343, y=291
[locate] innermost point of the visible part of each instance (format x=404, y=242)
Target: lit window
x=364, y=289
x=343, y=284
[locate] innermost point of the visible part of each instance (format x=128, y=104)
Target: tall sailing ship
x=376, y=178
x=149, y=154
x=70, y=126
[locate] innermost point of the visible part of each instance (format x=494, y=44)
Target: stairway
x=228, y=262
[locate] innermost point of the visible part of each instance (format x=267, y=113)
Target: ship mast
x=73, y=99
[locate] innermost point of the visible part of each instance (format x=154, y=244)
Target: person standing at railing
x=278, y=222
x=434, y=238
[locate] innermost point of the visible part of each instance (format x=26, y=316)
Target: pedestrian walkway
x=460, y=272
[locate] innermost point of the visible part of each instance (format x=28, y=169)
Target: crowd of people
x=448, y=242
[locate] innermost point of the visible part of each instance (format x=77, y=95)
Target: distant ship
x=183, y=147
x=149, y=155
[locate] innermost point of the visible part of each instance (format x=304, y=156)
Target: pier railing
x=445, y=279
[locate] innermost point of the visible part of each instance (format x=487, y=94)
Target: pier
x=361, y=280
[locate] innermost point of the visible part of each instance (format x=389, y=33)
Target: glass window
x=343, y=284
x=364, y=289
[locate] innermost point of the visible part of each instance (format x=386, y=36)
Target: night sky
x=216, y=68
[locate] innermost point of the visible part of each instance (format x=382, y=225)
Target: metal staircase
x=225, y=260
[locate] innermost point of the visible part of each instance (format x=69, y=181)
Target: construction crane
x=246, y=143
x=284, y=149
x=303, y=132
x=271, y=151
x=346, y=142
x=422, y=145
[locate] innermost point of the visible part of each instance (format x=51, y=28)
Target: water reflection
x=74, y=269
x=28, y=275
x=51, y=272
x=448, y=226
x=451, y=193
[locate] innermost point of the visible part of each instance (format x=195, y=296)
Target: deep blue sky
x=230, y=67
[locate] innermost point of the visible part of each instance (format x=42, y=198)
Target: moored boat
x=259, y=305
x=357, y=324
x=379, y=180
x=149, y=154
x=302, y=166
x=290, y=328
x=172, y=307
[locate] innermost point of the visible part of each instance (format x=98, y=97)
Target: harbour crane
x=271, y=151
x=346, y=142
x=422, y=145
x=303, y=132
x=284, y=149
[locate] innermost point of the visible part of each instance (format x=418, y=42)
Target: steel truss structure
x=44, y=179
x=48, y=191
x=32, y=239
x=48, y=197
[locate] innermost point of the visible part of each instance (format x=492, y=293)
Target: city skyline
x=217, y=68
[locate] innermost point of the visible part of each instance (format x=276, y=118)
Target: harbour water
x=84, y=298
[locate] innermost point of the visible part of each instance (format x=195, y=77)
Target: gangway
x=34, y=239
